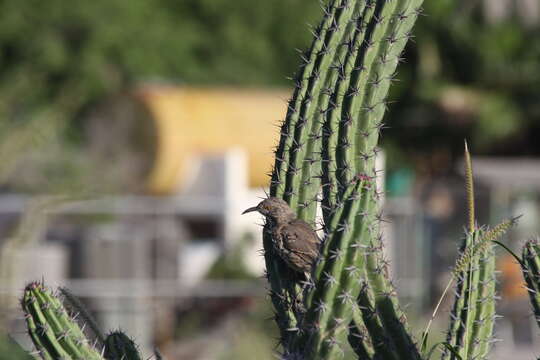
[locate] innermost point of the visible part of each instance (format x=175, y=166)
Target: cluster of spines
x=329, y=136
x=530, y=265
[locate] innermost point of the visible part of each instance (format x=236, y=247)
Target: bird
x=294, y=240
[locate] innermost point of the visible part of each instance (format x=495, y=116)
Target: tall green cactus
x=328, y=144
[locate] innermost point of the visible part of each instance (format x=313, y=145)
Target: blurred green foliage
x=464, y=76
x=65, y=55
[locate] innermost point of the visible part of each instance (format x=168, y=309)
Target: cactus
x=328, y=143
x=473, y=314
x=56, y=333
x=326, y=157
x=530, y=265
x=119, y=346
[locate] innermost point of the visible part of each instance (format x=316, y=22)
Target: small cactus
x=56, y=334
x=119, y=346
x=530, y=265
x=472, y=318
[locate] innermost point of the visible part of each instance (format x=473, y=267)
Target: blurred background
x=133, y=134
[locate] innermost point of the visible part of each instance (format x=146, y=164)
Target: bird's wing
x=300, y=237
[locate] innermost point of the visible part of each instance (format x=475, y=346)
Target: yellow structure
x=192, y=121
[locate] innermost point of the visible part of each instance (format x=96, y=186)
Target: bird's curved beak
x=255, y=208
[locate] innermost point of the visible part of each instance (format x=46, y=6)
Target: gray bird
x=295, y=240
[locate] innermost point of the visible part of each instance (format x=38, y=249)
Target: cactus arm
x=319, y=318
x=350, y=275
x=469, y=313
x=332, y=144
x=359, y=337
x=118, y=346
x=39, y=328
x=333, y=225
x=473, y=314
x=530, y=266
x=311, y=168
x=360, y=90
x=33, y=332
x=290, y=156
x=382, y=343
x=307, y=133
x=485, y=317
x=373, y=72
x=53, y=332
x=61, y=328
x=327, y=36
x=357, y=340
x=459, y=315
x=392, y=317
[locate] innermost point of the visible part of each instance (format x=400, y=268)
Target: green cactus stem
x=118, y=346
x=382, y=342
x=328, y=139
x=334, y=293
x=293, y=158
x=473, y=314
x=530, y=265
x=54, y=333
